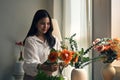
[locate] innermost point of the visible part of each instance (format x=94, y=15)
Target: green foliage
x=73, y=43
x=81, y=53
x=42, y=76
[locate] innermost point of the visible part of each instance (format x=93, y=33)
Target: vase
x=18, y=70
x=108, y=72
x=79, y=74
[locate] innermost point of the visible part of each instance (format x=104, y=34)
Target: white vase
x=108, y=71
x=18, y=70
x=79, y=74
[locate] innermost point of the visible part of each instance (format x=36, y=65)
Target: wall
x=101, y=28
x=15, y=20
x=115, y=18
x=115, y=30
x=58, y=11
x=115, y=23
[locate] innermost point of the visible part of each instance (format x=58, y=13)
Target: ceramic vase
x=108, y=72
x=18, y=70
x=79, y=74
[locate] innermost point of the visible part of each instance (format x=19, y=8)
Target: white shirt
x=36, y=51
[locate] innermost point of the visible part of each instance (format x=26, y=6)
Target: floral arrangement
x=79, y=59
x=20, y=45
x=56, y=57
x=109, y=50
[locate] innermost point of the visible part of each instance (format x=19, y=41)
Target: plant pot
x=79, y=74
x=108, y=72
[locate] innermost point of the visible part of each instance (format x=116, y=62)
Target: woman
x=38, y=43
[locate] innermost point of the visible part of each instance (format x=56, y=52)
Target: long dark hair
x=33, y=30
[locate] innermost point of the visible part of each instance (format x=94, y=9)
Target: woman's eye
x=42, y=23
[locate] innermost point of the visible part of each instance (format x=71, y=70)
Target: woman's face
x=43, y=25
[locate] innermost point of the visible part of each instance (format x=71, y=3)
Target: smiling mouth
x=44, y=29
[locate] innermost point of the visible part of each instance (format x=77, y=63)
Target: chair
x=56, y=29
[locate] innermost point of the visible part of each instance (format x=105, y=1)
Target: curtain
x=76, y=19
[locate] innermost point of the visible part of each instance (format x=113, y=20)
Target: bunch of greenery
x=82, y=60
x=42, y=76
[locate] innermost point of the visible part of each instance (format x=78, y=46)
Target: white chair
x=56, y=29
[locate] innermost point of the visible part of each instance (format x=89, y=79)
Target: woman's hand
x=53, y=67
x=49, y=69
x=63, y=64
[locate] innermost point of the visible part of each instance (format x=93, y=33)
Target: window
x=77, y=19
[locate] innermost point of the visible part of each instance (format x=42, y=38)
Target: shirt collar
x=38, y=40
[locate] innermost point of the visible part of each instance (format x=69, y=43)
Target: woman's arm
x=31, y=59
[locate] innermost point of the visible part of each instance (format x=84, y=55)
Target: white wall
x=115, y=18
x=58, y=11
x=15, y=20
x=115, y=28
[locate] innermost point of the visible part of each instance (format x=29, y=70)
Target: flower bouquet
x=56, y=57
x=108, y=48
x=64, y=57
x=79, y=58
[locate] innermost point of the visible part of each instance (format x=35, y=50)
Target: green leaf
x=85, y=59
x=60, y=78
x=82, y=51
x=42, y=76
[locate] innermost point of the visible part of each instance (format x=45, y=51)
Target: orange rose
x=75, y=59
x=106, y=47
x=66, y=55
x=53, y=56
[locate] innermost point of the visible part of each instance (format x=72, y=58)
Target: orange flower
x=118, y=55
x=72, y=52
x=99, y=48
x=106, y=47
x=115, y=45
x=66, y=55
x=75, y=59
x=53, y=56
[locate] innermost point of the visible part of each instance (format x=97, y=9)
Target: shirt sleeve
x=31, y=57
